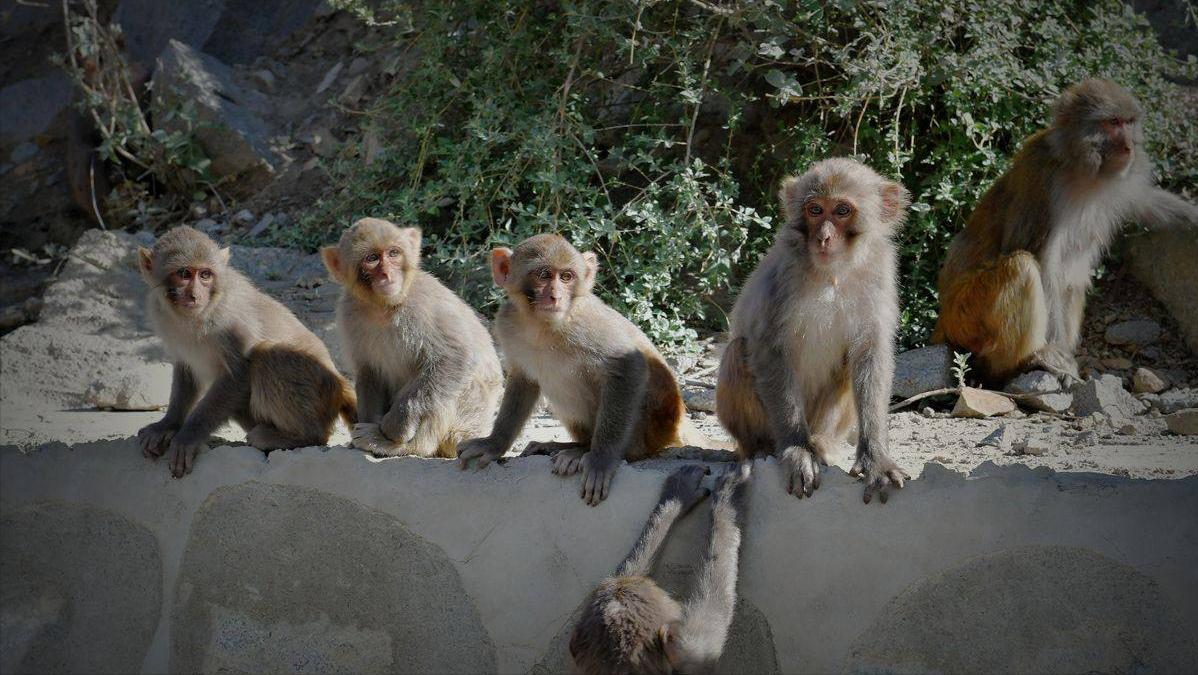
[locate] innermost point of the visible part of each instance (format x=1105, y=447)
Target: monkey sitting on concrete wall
x=241, y=353
x=631, y=625
x=426, y=372
x=812, y=348
x=1013, y=287
x=604, y=379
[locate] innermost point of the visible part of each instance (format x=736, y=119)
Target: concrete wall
x=326, y=560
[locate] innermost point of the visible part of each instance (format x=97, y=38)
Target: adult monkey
x=604, y=379
x=812, y=348
x=239, y=354
x=1013, y=287
x=631, y=625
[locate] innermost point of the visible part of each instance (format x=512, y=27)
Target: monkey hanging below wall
x=1013, y=286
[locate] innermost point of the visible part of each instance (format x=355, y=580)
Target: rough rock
x=28, y=107
x=1134, y=333
x=699, y=398
x=232, y=135
x=1034, y=447
x=1183, y=422
x=1175, y=399
x=1041, y=391
x=146, y=387
x=1146, y=381
x=999, y=438
x=980, y=403
x=918, y=371
x=1105, y=394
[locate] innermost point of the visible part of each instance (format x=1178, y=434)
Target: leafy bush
x=656, y=132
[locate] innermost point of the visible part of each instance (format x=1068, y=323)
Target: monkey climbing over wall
x=606, y=382
x=238, y=353
x=1013, y=286
x=425, y=369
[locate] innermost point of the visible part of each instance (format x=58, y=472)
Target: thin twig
x=919, y=397
x=690, y=134
x=91, y=175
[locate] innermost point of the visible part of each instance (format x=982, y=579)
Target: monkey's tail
x=348, y=408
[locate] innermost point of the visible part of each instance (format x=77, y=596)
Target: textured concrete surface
x=324, y=560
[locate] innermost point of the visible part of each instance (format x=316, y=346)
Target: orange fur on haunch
x=664, y=409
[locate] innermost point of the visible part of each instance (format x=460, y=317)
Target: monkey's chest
x=569, y=380
x=818, y=335
x=386, y=347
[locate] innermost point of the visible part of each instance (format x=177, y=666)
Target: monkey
x=425, y=370
x=811, y=350
x=238, y=354
x=1014, y=281
x=603, y=378
x=631, y=625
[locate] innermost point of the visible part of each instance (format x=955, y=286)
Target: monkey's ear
x=223, y=255
x=501, y=265
x=331, y=257
x=792, y=193
x=413, y=236
x=145, y=263
x=895, y=200
x=592, y=266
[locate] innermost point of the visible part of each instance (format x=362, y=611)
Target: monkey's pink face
x=550, y=290
x=829, y=223
x=1118, y=145
x=383, y=271
x=190, y=288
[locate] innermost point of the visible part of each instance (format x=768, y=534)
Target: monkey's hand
x=155, y=438
x=370, y=437
x=802, y=468
x=880, y=472
x=598, y=470
x=183, y=455
x=732, y=485
x=400, y=423
x=685, y=487
x=484, y=450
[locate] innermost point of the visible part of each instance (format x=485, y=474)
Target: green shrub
x=656, y=133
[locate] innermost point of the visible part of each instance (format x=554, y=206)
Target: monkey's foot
x=183, y=456
x=1058, y=362
x=154, y=439
x=879, y=475
x=598, y=470
x=567, y=462
x=802, y=469
x=369, y=437
x=732, y=484
x=548, y=447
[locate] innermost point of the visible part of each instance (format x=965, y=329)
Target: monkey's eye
x=544, y=273
x=393, y=253
x=815, y=209
x=184, y=273
x=1114, y=121
x=372, y=258
x=567, y=277
x=206, y=275
x=842, y=210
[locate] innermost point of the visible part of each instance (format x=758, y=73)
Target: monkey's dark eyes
x=393, y=253
x=544, y=273
x=1114, y=121
x=184, y=273
x=815, y=209
x=373, y=257
x=206, y=275
x=842, y=210
x=567, y=277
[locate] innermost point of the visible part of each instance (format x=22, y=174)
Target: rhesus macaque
x=812, y=333
x=1013, y=287
x=425, y=369
x=604, y=379
x=631, y=625
x=239, y=354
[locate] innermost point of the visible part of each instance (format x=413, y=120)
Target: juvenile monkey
x=812, y=348
x=604, y=380
x=426, y=372
x=631, y=625
x=241, y=353
x=1013, y=287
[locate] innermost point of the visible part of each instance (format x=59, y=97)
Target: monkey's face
x=545, y=275
x=828, y=228
x=382, y=271
x=1117, y=135
x=550, y=289
x=189, y=289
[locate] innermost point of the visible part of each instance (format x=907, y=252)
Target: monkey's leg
x=737, y=406
x=294, y=395
x=999, y=313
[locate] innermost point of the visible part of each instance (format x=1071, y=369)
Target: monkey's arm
x=443, y=374
x=229, y=394
x=155, y=437
x=708, y=614
x=1159, y=209
x=680, y=493
x=372, y=396
x=776, y=387
x=621, y=404
x=519, y=398
x=872, y=364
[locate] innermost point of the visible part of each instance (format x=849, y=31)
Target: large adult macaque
x=425, y=369
x=239, y=354
x=631, y=625
x=1013, y=287
x=604, y=379
x=812, y=333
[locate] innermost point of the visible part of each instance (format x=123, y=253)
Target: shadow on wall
x=81, y=591
x=288, y=579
